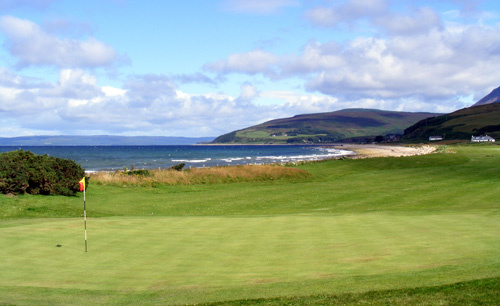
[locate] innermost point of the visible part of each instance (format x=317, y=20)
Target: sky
x=200, y=68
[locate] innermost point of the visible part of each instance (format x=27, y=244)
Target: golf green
x=196, y=258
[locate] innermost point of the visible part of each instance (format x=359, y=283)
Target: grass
x=477, y=292
x=253, y=134
x=212, y=175
x=415, y=230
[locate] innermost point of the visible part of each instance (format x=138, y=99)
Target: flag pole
x=85, y=218
x=82, y=188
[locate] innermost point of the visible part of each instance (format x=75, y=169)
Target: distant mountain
x=493, y=97
x=101, y=140
x=461, y=124
x=326, y=127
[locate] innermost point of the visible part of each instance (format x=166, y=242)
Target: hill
x=101, y=140
x=326, y=127
x=461, y=124
x=492, y=97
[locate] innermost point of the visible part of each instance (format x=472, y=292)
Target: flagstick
x=85, y=218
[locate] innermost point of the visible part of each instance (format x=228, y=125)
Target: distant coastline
x=101, y=140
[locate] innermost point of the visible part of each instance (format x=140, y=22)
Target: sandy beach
x=372, y=150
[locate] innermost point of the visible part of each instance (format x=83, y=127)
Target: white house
x=482, y=139
x=435, y=138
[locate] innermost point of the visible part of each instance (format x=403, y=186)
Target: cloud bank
x=420, y=57
x=413, y=58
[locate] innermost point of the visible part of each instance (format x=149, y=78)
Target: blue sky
x=204, y=68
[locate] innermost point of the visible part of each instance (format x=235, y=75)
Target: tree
x=25, y=172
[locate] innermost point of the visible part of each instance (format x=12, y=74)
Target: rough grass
x=476, y=292
x=212, y=175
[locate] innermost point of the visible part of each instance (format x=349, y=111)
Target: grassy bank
x=477, y=292
x=386, y=230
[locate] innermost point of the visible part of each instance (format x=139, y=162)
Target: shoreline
x=358, y=151
x=373, y=150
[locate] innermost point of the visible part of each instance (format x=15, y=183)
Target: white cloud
x=248, y=92
x=422, y=20
x=376, y=13
x=112, y=91
x=294, y=104
x=437, y=65
x=347, y=12
x=258, y=6
x=252, y=62
x=31, y=45
x=315, y=57
x=73, y=84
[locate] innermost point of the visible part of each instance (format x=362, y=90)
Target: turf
x=385, y=230
x=477, y=292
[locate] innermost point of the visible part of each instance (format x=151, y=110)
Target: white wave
x=231, y=159
x=191, y=160
x=332, y=153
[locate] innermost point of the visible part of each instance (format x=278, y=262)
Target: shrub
x=178, y=167
x=139, y=172
x=25, y=172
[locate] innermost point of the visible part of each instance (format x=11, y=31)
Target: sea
x=112, y=158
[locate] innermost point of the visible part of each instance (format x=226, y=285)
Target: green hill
x=461, y=124
x=326, y=127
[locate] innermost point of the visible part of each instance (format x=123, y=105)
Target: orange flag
x=82, y=184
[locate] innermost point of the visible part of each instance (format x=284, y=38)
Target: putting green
x=278, y=255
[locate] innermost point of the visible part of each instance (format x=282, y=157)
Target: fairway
x=174, y=249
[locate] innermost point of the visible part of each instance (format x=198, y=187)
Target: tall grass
x=212, y=175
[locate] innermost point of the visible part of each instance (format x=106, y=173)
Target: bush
x=25, y=172
x=178, y=167
x=140, y=172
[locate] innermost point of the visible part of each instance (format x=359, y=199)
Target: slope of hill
x=461, y=124
x=492, y=97
x=100, y=140
x=326, y=127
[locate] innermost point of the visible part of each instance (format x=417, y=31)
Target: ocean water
x=109, y=158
